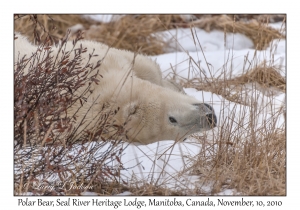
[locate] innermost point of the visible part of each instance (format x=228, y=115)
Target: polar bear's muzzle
x=200, y=117
x=207, y=116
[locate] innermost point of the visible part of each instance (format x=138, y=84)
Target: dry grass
x=255, y=165
x=258, y=32
x=134, y=32
x=41, y=25
x=243, y=153
x=266, y=78
x=250, y=158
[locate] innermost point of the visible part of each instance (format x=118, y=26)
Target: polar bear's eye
x=172, y=120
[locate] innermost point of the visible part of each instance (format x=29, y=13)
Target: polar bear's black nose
x=209, y=106
x=212, y=120
x=210, y=116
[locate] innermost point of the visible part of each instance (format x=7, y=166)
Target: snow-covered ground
x=163, y=162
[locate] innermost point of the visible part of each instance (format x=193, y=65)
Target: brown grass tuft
x=57, y=25
x=264, y=76
x=258, y=32
x=130, y=32
x=134, y=32
x=253, y=166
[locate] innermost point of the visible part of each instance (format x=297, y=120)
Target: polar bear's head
x=163, y=114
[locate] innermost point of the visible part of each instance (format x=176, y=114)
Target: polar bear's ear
x=130, y=109
x=173, y=85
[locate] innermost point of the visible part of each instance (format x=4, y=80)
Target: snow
x=228, y=192
x=182, y=39
x=88, y=193
x=124, y=193
x=278, y=26
x=103, y=18
x=277, y=47
x=220, y=61
x=161, y=163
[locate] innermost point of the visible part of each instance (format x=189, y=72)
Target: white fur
x=146, y=101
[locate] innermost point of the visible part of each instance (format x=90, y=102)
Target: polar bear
x=151, y=109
